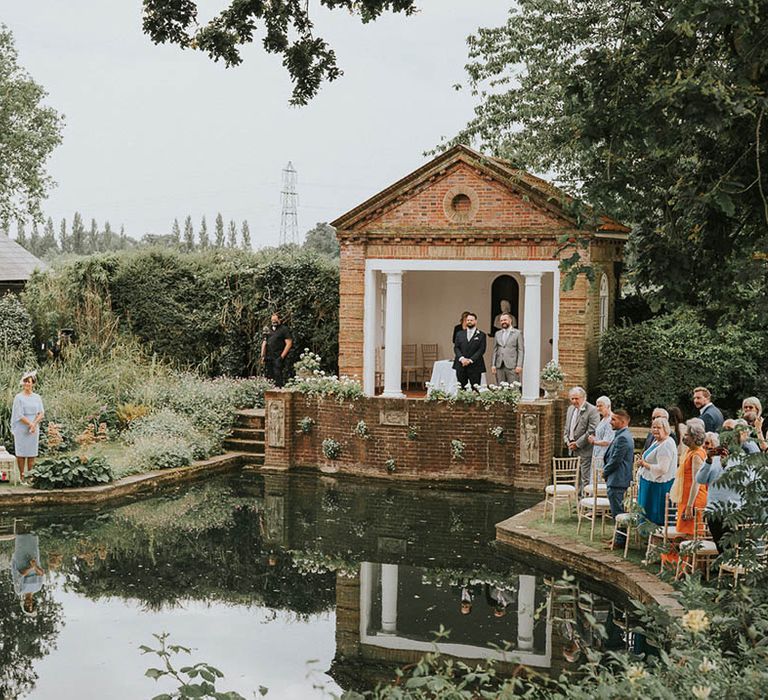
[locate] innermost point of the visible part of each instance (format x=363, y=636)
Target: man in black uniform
x=274, y=348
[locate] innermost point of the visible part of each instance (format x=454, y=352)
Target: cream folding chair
x=565, y=472
x=594, y=506
x=734, y=569
x=628, y=522
x=701, y=551
x=665, y=535
x=429, y=353
x=602, y=489
x=410, y=365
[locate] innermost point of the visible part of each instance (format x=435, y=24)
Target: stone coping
x=582, y=560
x=25, y=496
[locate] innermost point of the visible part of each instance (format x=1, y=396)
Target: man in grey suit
x=508, y=352
x=580, y=422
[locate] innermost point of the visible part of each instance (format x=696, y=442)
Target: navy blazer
x=617, y=467
x=713, y=418
x=473, y=349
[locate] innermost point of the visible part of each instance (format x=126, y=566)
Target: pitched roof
x=16, y=263
x=542, y=192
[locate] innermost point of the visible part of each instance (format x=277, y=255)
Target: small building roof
x=545, y=194
x=16, y=263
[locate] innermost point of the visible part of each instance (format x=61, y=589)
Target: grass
x=565, y=527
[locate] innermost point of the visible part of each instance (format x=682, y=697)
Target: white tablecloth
x=444, y=377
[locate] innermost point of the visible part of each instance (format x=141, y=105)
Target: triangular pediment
x=463, y=189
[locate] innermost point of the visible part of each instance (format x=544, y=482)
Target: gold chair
x=701, y=550
x=410, y=365
x=594, y=506
x=664, y=535
x=602, y=489
x=565, y=472
x=429, y=353
x=628, y=521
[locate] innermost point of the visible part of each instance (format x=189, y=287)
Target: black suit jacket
x=472, y=350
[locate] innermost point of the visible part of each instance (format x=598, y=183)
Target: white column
x=556, y=315
x=389, y=598
x=369, y=333
x=526, y=606
x=532, y=335
x=393, y=336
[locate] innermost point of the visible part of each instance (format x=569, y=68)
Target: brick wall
x=428, y=457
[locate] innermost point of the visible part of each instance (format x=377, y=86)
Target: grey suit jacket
x=511, y=353
x=586, y=425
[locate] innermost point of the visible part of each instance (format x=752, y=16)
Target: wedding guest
x=603, y=436
x=26, y=415
x=658, y=466
x=686, y=491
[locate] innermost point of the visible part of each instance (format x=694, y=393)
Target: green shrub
x=205, y=309
x=166, y=423
x=659, y=362
x=70, y=471
x=15, y=327
x=151, y=452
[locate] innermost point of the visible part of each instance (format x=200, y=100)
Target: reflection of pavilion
x=394, y=617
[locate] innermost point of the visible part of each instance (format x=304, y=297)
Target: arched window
x=603, y=303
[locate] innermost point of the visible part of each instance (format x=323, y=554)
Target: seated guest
x=686, y=491
x=658, y=466
x=460, y=326
x=656, y=413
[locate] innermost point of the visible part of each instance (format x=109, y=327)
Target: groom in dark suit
x=468, y=349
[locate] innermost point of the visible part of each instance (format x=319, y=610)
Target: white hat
x=26, y=375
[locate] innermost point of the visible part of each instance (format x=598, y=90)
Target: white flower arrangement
x=552, y=372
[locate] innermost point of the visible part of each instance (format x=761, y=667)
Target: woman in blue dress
x=25, y=423
x=658, y=466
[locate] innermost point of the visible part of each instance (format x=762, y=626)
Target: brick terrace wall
x=428, y=457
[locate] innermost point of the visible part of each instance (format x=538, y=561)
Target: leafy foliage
x=288, y=31
x=28, y=134
x=658, y=362
x=70, y=471
x=322, y=239
x=15, y=327
x=205, y=309
x=655, y=113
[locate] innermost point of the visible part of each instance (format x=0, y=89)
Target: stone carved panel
x=393, y=416
x=276, y=423
x=529, y=438
x=274, y=519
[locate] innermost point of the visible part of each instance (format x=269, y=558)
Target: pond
x=305, y=584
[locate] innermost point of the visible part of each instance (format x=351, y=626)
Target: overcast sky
x=153, y=132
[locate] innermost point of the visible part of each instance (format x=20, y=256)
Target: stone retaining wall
x=415, y=434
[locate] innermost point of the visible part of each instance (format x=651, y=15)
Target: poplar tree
x=48, y=243
x=176, y=232
x=78, y=234
x=93, y=237
x=246, y=233
x=65, y=243
x=203, y=234
x=34, y=240
x=232, y=237
x=189, y=234
x=21, y=234
x=219, y=240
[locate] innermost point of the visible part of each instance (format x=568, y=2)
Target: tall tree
x=189, y=234
x=21, y=234
x=48, y=244
x=322, y=239
x=286, y=26
x=93, y=237
x=232, y=234
x=28, y=134
x=176, y=232
x=245, y=232
x=108, y=237
x=654, y=113
x=34, y=239
x=219, y=231
x=78, y=234
x=65, y=243
x=203, y=234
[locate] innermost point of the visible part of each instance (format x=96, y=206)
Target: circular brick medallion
x=460, y=204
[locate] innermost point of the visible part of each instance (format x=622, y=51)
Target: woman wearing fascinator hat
x=25, y=422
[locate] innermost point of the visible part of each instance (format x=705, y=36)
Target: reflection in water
x=394, y=562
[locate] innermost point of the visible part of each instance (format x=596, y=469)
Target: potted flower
x=308, y=364
x=552, y=378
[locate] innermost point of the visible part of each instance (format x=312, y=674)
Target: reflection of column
x=389, y=598
x=393, y=336
x=526, y=606
x=532, y=335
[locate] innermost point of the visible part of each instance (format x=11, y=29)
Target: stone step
x=250, y=446
x=250, y=418
x=255, y=434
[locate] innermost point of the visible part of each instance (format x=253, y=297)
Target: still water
x=305, y=584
